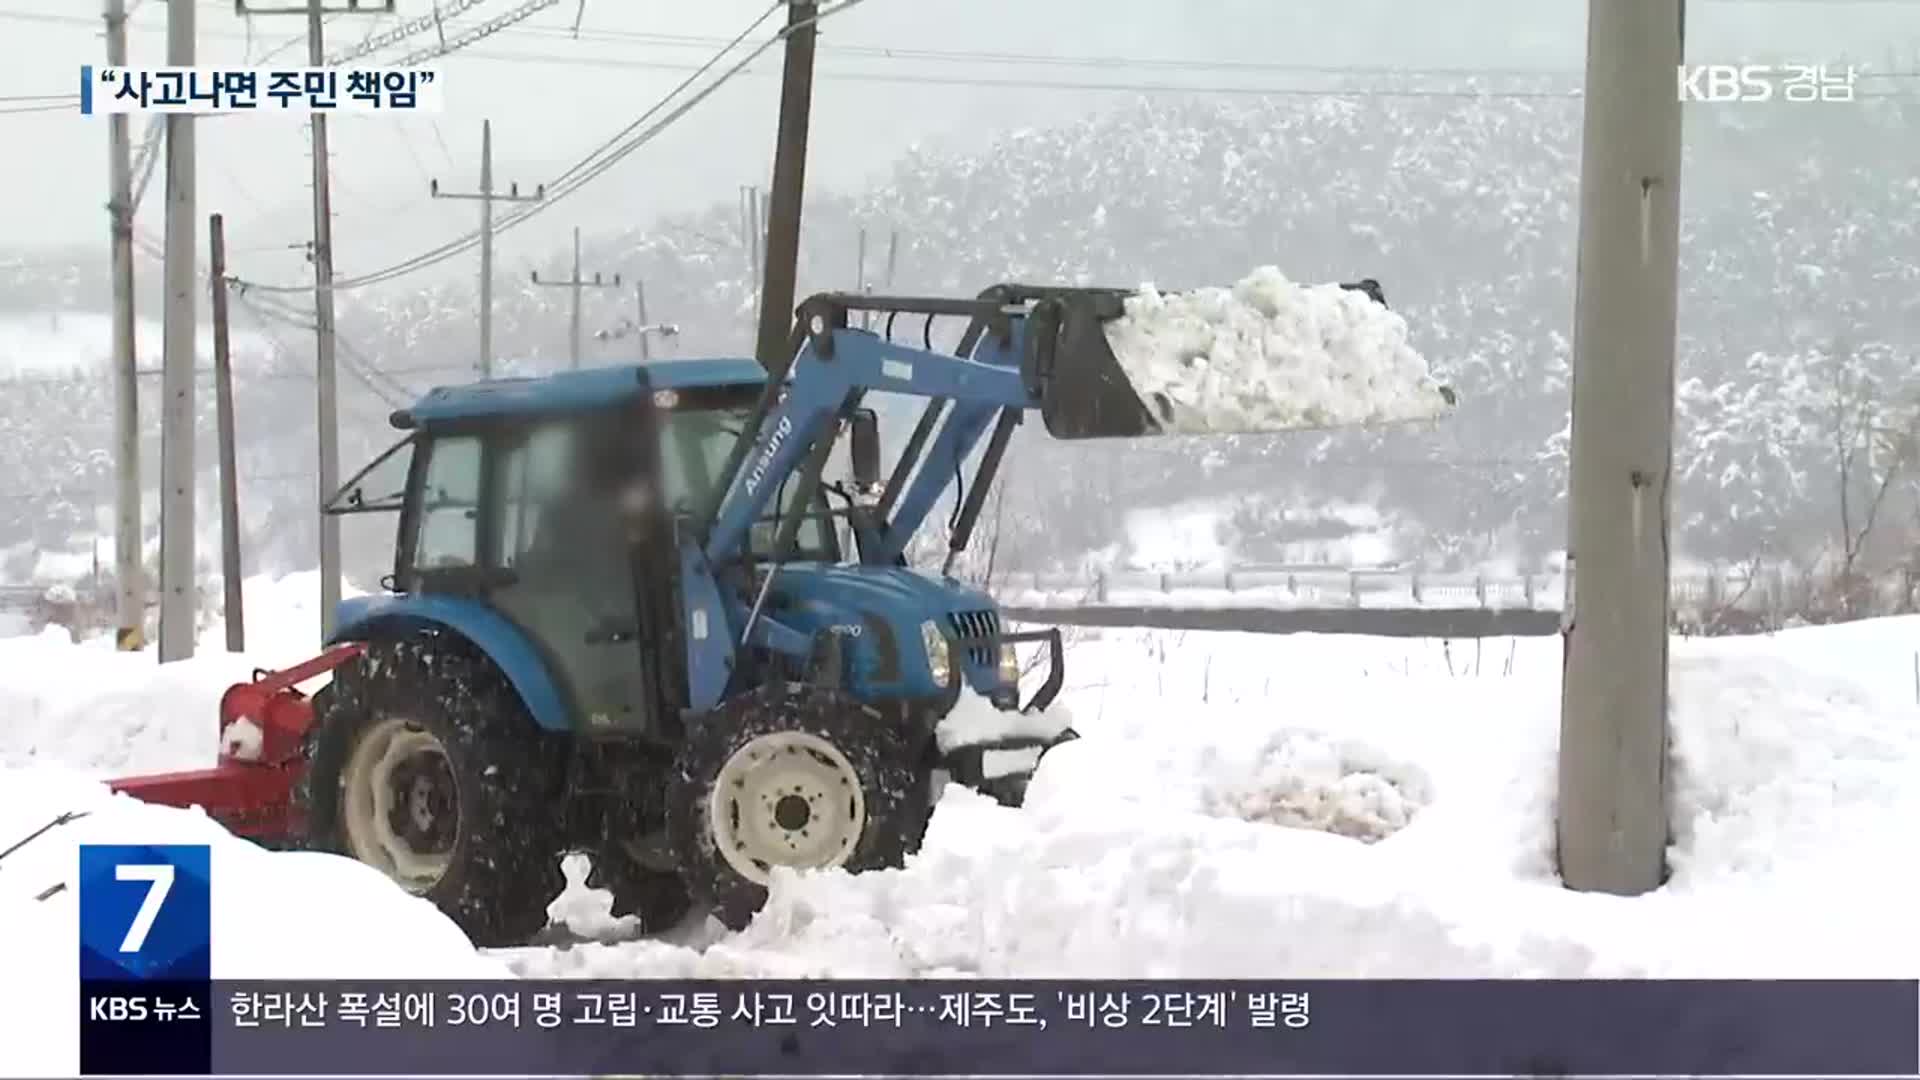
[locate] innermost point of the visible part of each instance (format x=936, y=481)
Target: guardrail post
x=1353, y=589
x=1480, y=589
x=1166, y=581
x=1227, y=577
x=1526, y=586
x=1416, y=586
x=1293, y=585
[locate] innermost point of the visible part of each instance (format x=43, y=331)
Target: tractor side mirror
x=865, y=448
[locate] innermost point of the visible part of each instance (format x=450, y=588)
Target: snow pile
x=975, y=720
x=242, y=740
x=276, y=915
x=93, y=708
x=1306, y=780
x=1271, y=355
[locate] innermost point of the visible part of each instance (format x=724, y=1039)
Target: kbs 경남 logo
x=146, y=913
x=1765, y=82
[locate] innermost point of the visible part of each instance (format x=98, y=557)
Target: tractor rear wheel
x=796, y=776
x=422, y=763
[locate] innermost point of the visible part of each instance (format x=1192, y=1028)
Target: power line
x=1014, y=83
x=1012, y=58
x=579, y=177
x=419, y=25
x=468, y=36
x=699, y=70
x=888, y=52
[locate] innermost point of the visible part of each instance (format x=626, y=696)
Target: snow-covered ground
x=1238, y=805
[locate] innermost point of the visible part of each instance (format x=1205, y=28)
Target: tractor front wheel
x=423, y=764
x=795, y=776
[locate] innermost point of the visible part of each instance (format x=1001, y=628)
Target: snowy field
x=1239, y=806
x=71, y=343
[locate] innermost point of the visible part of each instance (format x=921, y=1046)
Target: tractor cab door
x=564, y=527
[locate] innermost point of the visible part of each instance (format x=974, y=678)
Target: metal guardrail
x=1396, y=602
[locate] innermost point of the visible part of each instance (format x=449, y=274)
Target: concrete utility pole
x=129, y=559
x=860, y=279
x=782, y=260
x=577, y=283
x=223, y=408
x=1613, y=825
x=640, y=303
x=326, y=386
x=326, y=405
x=178, y=590
x=486, y=197
x=750, y=230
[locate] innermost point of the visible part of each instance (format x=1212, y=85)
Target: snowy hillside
x=80, y=343
x=1238, y=806
x=1799, y=305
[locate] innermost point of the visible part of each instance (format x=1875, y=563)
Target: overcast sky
x=552, y=96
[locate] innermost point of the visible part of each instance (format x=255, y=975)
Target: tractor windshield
x=695, y=443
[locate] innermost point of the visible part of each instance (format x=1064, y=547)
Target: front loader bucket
x=1263, y=357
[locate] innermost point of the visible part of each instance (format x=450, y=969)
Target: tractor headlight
x=1009, y=665
x=939, y=653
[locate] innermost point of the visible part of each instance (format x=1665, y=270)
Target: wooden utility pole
x=782, y=262
x=577, y=283
x=178, y=590
x=326, y=387
x=223, y=407
x=129, y=540
x=1613, y=825
x=486, y=197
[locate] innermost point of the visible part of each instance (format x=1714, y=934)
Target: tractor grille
x=983, y=625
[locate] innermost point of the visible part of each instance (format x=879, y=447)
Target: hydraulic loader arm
x=833, y=366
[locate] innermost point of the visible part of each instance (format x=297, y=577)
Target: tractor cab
x=553, y=505
x=557, y=505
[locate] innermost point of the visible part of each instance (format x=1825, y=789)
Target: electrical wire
x=697, y=71
x=476, y=33
x=1142, y=87
x=417, y=25
x=888, y=52
x=581, y=174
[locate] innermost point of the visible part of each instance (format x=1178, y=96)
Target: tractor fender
x=364, y=618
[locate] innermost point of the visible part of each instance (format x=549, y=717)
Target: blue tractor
x=630, y=616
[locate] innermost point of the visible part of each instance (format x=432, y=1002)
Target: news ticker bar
x=923, y=1028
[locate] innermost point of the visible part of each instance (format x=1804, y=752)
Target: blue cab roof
x=571, y=391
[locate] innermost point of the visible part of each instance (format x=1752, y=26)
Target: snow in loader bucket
x=1267, y=355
